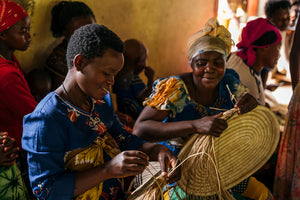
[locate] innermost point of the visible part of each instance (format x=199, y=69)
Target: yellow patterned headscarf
x=213, y=37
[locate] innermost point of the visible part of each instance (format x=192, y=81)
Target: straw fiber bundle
x=210, y=166
x=243, y=148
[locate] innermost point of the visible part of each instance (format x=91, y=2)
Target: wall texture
x=164, y=26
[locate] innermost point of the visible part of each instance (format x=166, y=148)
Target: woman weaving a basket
x=193, y=103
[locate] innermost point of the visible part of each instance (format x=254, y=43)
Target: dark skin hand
x=128, y=163
x=131, y=163
x=246, y=102
x=167, y=162
x=150, y=127
x=210, y=125
x=8, y=153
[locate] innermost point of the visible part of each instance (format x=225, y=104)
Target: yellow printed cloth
x=89, y=157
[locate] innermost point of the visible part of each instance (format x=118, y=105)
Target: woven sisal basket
x=243, y=148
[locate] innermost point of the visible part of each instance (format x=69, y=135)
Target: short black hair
x=272, y=6
x=64, y=12
x=92, y=41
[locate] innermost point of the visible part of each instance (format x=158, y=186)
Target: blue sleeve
x=125, y=140
x=45, y=141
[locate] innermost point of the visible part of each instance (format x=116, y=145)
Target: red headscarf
x=10, y=14
x=253, y=31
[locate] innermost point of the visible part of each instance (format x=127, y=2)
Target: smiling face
x=17, y=37
x=97, y=76
x=208, y=69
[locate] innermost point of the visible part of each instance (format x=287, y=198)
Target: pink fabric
x=253, y=31
x=10, y=14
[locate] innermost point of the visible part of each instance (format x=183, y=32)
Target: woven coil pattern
x=243, y=148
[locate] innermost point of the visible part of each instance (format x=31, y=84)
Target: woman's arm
x=150, y=127
x=126, y=163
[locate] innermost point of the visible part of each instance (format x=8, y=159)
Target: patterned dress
x=171, y=94
x=286, y=183
x=12, y=186
x=62, y=139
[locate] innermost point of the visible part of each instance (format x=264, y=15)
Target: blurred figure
x=129, y=88
x=39, y=81
x=286, y=183
x=67, y=16
x=278, y=12
x=295, y=49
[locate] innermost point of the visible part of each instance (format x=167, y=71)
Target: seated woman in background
x=259, y=48
x=76, y=146
x=192, y=102
x=67, y=16
x=130, y=90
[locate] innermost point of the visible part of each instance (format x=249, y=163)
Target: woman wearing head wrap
x=192, y=102
x=258, y=49
x=16, y=99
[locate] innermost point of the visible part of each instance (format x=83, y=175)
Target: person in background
x=130, y=90
x=16, y=99
x=286, y=182
x=39, y=81
x=278, y=12
x=77, y=148
x=67, y=16
x=193, y=102
x=259, y=48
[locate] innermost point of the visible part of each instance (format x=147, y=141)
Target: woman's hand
x=127, y=163
x=168, y=162
x=166, y=159
x=8, y=153
x=246, y=102
x=210, y=125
